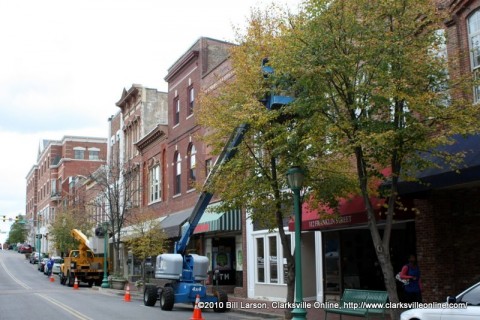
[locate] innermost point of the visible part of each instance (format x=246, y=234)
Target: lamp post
x=39, y=243
x=295, y=179
x=105, y=256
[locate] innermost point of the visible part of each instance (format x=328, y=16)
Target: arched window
x=177, y=173
x=192, y=163
x=473, y=23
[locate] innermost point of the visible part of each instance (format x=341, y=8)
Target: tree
x=117, y=190
x=372, y=86
x=18, y=232
x=66, y=219
x=146, y=238
x=372, y=90
x=255, y=178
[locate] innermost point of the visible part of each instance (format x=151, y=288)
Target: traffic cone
x=75, y=284
x=127, y=297
x=197, y=312
x=52, y=279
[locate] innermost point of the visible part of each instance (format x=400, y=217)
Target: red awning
x=350, y=212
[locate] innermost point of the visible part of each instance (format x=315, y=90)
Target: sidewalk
x=252, y=307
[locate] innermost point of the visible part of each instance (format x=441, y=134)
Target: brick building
x=142, y=112
x=188, y=161
x=449, y=218
x=48, y=182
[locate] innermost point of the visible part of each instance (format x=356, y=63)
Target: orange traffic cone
x=75, y=284
x=197, y=312
x=127, y=297
x=52, y=279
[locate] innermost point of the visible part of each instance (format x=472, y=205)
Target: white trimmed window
x=191, y=100
x=155, y=191
x=270, y=257
x=176, y=111
x=192, y=164
x=93, y=154
x=79, y=153
x=177, y=171
x=473, y=24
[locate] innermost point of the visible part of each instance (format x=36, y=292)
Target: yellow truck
x=81, y=264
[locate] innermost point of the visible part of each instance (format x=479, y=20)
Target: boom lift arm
x=271, y=101
x=227, y=153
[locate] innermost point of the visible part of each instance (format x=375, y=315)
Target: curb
x=137, y=296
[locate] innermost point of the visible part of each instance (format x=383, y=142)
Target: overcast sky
x=64, y=64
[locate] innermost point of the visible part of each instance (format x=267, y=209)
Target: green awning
x=224, y=221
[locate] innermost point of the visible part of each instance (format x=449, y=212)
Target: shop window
x=332, y=262
x=273, y=259
x=260, y=261
x=285, y=252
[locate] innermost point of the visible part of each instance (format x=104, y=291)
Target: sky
x=64, y=64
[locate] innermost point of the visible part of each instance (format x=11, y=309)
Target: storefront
x=220, y=237
x=348, y=259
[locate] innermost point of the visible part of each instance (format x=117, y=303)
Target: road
x=26, y=293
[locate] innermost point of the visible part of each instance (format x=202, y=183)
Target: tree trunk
x=283, y=239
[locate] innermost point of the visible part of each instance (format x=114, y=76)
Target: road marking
x=72, y=311
x=22, y=284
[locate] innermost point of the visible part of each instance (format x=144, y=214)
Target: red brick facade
x=48, y=181
x=447, y=229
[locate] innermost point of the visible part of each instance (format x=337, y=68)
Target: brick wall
x=447, y=230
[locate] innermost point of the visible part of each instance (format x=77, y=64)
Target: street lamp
x=105, y=255
x=39, y=243
x=295, y=179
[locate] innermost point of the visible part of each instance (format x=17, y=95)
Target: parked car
x=470, y=299
x=42, y=264
x=25, y=248
x=57, y=261
x=34, y=257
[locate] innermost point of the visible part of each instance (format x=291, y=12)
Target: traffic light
x=17, y=218
x=4, y=218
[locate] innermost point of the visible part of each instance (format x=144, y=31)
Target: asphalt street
x=26, y=293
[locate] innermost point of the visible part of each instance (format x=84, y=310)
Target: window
x=79, y=153
x=191, y=100
x=93, y=154
x=285, y=251
x=177, y=173
x=192, y=176
x=273, y=259
x=271, y=262
x=208, y=166
x=474, y=44
x=155, y=192
x=260, y=261
x=176, y=111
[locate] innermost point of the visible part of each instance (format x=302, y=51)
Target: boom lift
x=186, y=272
x=81, y=263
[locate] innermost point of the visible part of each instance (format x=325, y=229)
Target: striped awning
x=224, y=221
